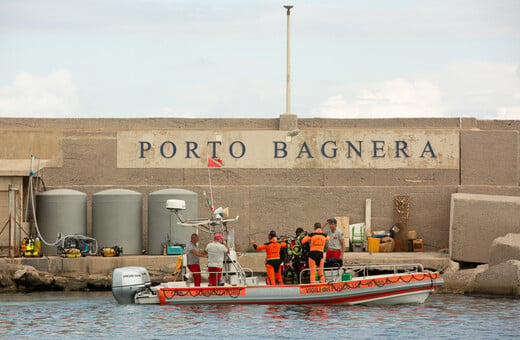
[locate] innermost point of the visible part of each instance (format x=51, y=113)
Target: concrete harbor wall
x=98, y=265
x=476, y=220
x=454, y=156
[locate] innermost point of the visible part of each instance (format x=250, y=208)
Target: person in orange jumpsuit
x=318, y=240
x=272, y=257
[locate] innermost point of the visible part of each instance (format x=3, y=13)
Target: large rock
x=505, y=248
x=502, y=279
x=6, y=283
x=17, y=277
x=476, y=220
x=76, y=283
x=459, y=281
x=30, y=279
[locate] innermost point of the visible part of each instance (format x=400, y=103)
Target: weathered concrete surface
x=490, y=190
x=504, y=249
x=457, y=282
x=476, y=220
x=489, y=157
x=501, y=279
x=88, y=150
x=98, y=265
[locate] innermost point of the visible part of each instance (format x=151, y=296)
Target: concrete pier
x=97, y=265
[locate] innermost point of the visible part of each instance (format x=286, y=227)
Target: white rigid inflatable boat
x=400, y=283
x=132, y=285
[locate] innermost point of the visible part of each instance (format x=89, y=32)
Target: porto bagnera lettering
x=329, y=149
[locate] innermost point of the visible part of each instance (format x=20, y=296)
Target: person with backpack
x=272, y=258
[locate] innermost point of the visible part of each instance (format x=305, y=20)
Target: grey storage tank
x=159, y=218
x=60, y=211
x=117, y=219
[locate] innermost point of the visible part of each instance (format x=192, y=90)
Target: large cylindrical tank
x=60, y=211
x=160, y=219
x=117, y=219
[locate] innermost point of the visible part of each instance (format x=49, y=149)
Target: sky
x=227, y=58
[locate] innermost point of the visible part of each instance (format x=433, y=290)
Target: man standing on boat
x=318, y=240
x=216, y=251
x=193, y=256
x=336, y=246
x=273, y=261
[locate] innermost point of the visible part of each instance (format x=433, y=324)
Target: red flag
x=214, y=162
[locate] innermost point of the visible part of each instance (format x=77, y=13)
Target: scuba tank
x=37, y=246
x=29, y=247
x=107, y=252
x=71, y=253
x=22, y=246
x=111, y=251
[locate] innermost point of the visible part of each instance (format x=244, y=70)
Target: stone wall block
x=489, y=157
x=476, y=220
x=502, y=279
x=504, y=249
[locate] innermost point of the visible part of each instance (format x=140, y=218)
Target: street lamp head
x=288, y=9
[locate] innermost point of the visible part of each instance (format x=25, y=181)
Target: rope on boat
x=233, y=292
x=381, y=282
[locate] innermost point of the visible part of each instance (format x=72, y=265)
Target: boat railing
x=326, y=271
x=364, y=269
x=241, y=276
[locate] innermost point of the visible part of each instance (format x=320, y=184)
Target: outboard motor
x=127, y=281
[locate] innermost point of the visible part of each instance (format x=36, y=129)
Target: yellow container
x=373, y=244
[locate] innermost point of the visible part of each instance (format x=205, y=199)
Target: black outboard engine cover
x=127, y=281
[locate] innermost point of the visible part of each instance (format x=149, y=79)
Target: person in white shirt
x=193, y=255
x=216, y=251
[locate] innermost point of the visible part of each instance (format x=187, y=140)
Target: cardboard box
x=418, y=245
x=412, y=235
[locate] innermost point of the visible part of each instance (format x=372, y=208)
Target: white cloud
x=480, y=89
x=31, y=95
x=509, y=113
x=389, y=98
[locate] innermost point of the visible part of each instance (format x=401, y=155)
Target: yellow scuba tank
x=29, y=247
x=108, y=252
x=37, y=247
x=71, y=253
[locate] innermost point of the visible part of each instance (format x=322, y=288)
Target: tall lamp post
x=288, y=80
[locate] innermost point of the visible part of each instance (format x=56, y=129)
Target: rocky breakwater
x=23, y=278
x=17, y=277
x=501, y=276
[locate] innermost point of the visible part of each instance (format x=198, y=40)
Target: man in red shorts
x=337, y=240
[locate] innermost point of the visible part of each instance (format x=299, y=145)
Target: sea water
x=98, y=316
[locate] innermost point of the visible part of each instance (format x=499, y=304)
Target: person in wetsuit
x=318, y=240
x=272, y=258
x=300, y=253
